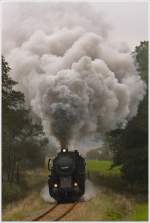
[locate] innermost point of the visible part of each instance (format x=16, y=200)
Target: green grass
x=112, y=203
x=103, y=167
x=140, y=212
x=110, y=179
x=30, y=181
x=25, y=201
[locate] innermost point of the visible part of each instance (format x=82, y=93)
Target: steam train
x=66, y=180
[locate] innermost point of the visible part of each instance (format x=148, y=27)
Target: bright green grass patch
x=140, y=212
x=103, y=167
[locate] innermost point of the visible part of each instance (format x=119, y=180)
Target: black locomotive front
x=67, y=176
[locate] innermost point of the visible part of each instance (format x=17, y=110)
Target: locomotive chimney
x=64, y=147
x=64, y=150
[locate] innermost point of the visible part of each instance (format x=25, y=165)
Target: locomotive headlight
x=64, y=150
x=75, y=184
x=55, y=185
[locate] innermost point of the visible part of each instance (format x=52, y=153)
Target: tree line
x=23, y=140
x=130, y=146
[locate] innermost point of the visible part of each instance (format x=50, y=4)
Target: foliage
x=23, y=140
x=141, y=56
x=130, y=146
x=103, y=175
x=11, y=192
x=21, y=197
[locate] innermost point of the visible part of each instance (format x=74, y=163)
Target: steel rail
x=65, y=213
x=51, y=209
x=45, y=213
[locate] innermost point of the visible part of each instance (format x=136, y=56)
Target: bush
x=11, y=192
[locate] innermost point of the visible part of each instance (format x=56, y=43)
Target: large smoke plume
x=73, y=77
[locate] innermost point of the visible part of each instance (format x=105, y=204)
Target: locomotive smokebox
x=66, y=180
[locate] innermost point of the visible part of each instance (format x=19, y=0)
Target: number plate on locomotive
x=65, y=182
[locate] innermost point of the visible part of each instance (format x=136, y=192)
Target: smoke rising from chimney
x=74, y=79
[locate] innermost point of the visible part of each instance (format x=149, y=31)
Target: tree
x=23, y=141
x=130, y=146
x=12, y=108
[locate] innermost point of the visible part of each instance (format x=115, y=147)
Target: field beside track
x=104, y=167
x=132, y=205
x=111, y=203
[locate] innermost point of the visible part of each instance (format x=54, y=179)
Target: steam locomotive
x=67, y=176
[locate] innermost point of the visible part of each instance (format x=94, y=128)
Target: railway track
x=56, y=213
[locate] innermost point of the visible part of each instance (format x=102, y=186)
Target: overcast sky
x=129, y=20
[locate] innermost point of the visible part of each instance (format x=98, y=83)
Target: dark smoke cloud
x=76, y=81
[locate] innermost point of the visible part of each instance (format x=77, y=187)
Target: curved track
x=50, y=214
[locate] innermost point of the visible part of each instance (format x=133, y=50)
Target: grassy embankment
x=119, y=200
x=30, y=203
x=113, y=201
x=29, y=180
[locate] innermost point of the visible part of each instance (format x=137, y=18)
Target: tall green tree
x=130, y=146
x=12, y=108
x=23, y=141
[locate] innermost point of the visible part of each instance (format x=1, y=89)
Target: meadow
x=132, y=203
x=104, y=167
x=113, y=201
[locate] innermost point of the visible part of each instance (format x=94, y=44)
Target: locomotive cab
x=67, y=176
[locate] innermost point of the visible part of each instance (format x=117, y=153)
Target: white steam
x=72, y=77
x=45, y=195
x=90, y=192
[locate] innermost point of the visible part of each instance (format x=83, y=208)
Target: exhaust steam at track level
x=70, y=72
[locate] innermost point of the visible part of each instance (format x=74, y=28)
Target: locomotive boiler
x=67, y=176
